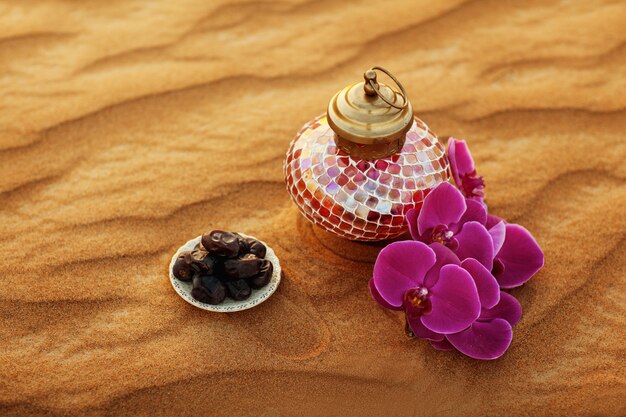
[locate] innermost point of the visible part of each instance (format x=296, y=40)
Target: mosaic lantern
x=356, y=170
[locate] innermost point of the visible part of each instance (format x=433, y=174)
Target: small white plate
x=228, y=305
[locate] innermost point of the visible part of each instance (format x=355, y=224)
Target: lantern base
x=364, y=200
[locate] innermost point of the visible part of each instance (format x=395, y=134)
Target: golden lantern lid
x=370, y=118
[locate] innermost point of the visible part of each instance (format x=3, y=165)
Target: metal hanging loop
x=371, y=87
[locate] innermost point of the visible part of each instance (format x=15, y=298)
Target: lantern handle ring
x=371, y=87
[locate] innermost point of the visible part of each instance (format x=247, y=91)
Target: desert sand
x=127, y=128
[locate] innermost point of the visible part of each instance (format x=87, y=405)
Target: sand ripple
x=127, y=128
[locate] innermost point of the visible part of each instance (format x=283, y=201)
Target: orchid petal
x=493, y=220
x=484, y=340
x=475, y=242
x=399, y=267
x=451, y=151
x=508, y=308
x=444, y=345
x=521, y=256
x=444, y=256
x=420, y=331
x=475, y=212
x=498, y=234
x=486, y=284
x=379, y=299
x=460, y=156
x=444, y=205
x=411, y=219
x=454, y=300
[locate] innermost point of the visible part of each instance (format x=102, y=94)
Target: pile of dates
x=224, y=264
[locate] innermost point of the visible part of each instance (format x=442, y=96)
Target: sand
x=127, y=128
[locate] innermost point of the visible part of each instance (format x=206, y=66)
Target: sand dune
x=127, y=128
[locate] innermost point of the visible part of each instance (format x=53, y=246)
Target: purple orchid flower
x=464, y=172
x=518, y=255
x=470, y=312
x=448, y=280
x=448, y=218
x=490, y=335
x=437, y=294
